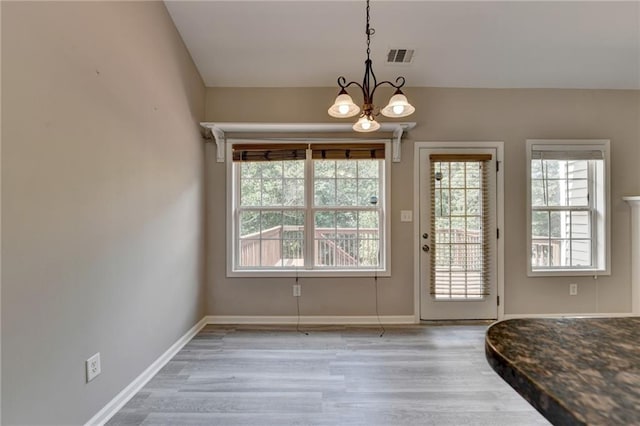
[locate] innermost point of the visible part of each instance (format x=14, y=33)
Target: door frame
x=499, y=147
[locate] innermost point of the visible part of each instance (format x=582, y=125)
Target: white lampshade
x=343, y=106
x=364, y=124
x=398, y=106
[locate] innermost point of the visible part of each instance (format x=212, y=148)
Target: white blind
x=460, y=255
x=542, y=152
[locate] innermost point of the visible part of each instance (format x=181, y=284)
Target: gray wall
x=508, y=115
x=102, y=196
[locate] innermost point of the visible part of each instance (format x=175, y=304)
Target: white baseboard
x=311, y=320
x=138, y=383
x=573, y=315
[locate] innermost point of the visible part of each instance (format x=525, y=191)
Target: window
x=568, y=224
x=308, y=208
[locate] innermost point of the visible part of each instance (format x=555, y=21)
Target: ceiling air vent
x=400, y=56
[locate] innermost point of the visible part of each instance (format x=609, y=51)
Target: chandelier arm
x=342, y=82
x=398, y=84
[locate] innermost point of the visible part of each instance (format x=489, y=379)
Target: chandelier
x=344, y=107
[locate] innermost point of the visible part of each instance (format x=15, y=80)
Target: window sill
x=569, y=273
x=307, y=273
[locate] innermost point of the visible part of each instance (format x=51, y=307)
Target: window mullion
x=591, y=197
x=309, y=223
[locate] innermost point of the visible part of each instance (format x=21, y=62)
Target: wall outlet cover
x=93, y=367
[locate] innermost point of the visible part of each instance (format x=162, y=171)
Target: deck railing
x=284, y=245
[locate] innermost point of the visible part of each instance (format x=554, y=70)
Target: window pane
x=555, y=197
x=368, y=192
x=473, y=201
x=294, y=169
x=473, y=225
x=346, y=168
x=559, y=253
x=264, y=183
x=457, y=175
x=250, y=194
x=293, y=238
x=324, y=192
x=473, y=174
x=457, y=202
x=536, y=169
x=557, y=227
x=578, y=192
x=540, y=224
x=581, y=253
x=540, y=253
x=324, y=169
x=458, y=228
x=368, y=221
x=578, y=169
x=443, y=234
x=551, y=169
x=294, y=192
x=325, y=219
x=368, y=168
x=368, y=238
x=353, y=242
x=271, y=169
x=250, y=170
x=272, y=192
x=442, y=172
x=347, y=220
x=538, y=196
x=271, y=224
x=249, y=224
x=580, y=225
x=441, y=202
x=347, y=192
x=271, y=239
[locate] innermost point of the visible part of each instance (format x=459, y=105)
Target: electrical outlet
x=93, y=367
x=573, y=289
x=296, y=290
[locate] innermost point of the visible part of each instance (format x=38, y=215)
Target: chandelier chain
x=369, y=31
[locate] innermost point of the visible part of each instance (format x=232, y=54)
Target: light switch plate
x=406, y=216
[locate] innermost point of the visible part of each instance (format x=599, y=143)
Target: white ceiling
x=534, y=44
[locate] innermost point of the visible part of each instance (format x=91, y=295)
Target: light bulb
x=366, y=124
x=398, y=106
x=343, y=106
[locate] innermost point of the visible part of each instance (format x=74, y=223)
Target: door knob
x=425, y=248
x=425, y=235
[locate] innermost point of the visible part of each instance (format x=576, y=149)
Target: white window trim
x=569, y=144
x=385, y=238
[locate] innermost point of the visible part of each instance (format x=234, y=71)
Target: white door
x=458, y=233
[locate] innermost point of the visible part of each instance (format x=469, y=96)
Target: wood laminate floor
x=259, y=375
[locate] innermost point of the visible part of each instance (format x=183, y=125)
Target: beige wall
x=102, y=197
x=511, y=116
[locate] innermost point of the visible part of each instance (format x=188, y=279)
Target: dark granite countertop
x=575, y=371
